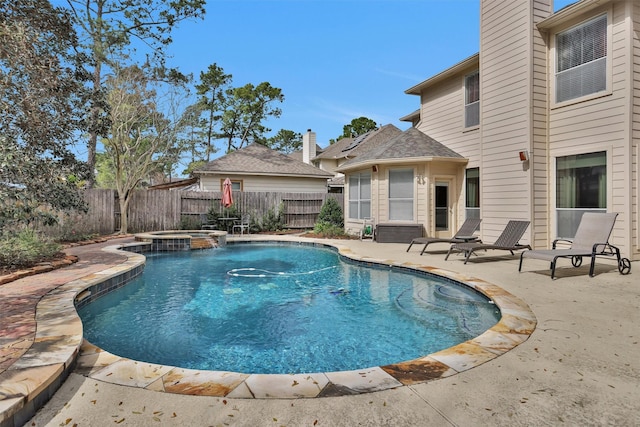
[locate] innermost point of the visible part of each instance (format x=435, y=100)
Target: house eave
x=569, y=12
x=402, y=161
x=275, y=174
x=449, y=72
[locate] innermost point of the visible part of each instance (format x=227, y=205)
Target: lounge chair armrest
x=605, y=246
x=555, y=242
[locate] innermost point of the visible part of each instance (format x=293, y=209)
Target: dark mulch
x=5, y=270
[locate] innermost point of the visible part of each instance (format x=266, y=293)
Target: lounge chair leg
x=448, y=253
x=410, y=244
x=520, y=266
x=424, y=249
x=553, y=268
x=593, y=266
x=468, y=254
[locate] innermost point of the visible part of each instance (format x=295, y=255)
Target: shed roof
x=257, y=159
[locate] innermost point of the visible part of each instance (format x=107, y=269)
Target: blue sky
x=335, y=60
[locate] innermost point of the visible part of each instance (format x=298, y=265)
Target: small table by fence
x=228, y=222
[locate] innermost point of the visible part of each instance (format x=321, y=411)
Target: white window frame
x=395, y=201
x=358, y=198
x=473, y=106
x=553, y=75
x=471, y=211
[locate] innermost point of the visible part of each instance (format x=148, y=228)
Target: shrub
x=188, y=222
x=273, y=221
x=25, y=249
x=71, y=227
x=214, y=215
x=326, y=229
x=331, y=213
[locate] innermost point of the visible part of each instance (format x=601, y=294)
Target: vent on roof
x=357, y=141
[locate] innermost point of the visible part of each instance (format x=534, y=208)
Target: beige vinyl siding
x=506, y=92
x=635, y=126
x=601, y=124
x=443, y=108
x=538, y=153
x=267, y=183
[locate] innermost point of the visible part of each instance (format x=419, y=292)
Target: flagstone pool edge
x=59, y=348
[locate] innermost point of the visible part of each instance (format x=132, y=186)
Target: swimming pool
x=275, y=308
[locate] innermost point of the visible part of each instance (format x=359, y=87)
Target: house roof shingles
x=410, y=144
x=256, y=159
x=340, y=150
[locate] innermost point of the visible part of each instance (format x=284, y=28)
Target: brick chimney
x=308, y=146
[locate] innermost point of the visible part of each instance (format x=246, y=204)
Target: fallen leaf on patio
x=119, y=421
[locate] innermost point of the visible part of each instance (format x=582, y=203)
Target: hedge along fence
x=151, y=210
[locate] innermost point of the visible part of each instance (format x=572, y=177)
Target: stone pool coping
x=59, y=348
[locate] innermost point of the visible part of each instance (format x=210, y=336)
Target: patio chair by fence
x=509, y=240
x=591, y=240
x=464, y=235
x=242, y=225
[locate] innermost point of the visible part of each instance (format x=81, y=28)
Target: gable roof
x=350, y=147
x=464, y=66
x=257, y=159
x=410, y=146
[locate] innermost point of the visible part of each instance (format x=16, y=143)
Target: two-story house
x=546, y=117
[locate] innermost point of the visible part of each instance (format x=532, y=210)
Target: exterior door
x=442, y=209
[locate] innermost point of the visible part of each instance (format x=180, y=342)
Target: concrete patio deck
x=579, y=367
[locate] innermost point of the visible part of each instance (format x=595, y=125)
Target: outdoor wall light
x=374, y=168
x=524, y=155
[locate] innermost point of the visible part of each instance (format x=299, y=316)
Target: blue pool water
x=279, y=308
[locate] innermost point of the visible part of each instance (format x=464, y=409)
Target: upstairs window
x=472, y=100
x=581, y=60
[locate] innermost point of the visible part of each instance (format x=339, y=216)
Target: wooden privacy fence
x=167, y=210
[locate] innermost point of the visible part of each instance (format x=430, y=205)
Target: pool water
x=281, y=308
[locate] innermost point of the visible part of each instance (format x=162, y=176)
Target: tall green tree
x=211, y=91
x=245, y=110
x=193, y=132
x=286, y=141
x=144, y=124
x=111, y=28
x=357, y=127
x=42, y=101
